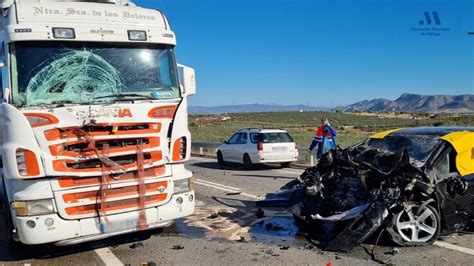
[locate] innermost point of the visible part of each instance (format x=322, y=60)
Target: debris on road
x=136, y=245
x=241, y=240
x=273, y=227
x=232, y=193
x=177, y=247
x=213, y=216
x=284, y=247
x=259, y=213
x=393, y=252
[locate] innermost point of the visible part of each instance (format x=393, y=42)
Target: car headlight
x=183, y=185
x=33, y=207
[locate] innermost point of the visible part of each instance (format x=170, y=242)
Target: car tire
x=247, y=162
x=408, y=229
x=220, y=158
x=285, y=164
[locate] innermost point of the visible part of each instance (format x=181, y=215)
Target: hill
x=408, y=102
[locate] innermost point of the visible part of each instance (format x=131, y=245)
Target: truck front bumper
x=54, y=229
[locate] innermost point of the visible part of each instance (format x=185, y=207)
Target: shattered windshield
x=82, y=73
x=419, y=147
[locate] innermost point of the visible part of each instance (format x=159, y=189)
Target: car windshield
x=419, y=147
x=82, y=72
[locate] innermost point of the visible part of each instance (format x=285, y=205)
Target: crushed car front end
x=386, y=183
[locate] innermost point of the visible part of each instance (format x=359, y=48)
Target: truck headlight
x=183, y=185
x=64, y=33
x=137, y=35
x=33, y=207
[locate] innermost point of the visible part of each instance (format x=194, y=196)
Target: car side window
x=233, y=139
x=254, y=137
x=242, y=139
x=445, y=165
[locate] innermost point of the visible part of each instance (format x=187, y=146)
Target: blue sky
x=321, y=53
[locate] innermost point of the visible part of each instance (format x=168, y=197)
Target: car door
x=227, y=149
x=456, y=206
x=241, y=147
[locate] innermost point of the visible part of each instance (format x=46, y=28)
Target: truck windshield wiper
x=125, y=96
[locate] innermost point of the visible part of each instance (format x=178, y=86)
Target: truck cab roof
x=103, y=20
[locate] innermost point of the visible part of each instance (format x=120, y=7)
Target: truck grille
x=82, y=154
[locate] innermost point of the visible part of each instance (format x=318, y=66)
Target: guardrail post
x=311, y=160
x=201, y=151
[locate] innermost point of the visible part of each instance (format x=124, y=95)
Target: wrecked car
x=410, y=184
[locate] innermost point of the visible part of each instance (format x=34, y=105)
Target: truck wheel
x=220, y=158
x=285, y=164
x=408, y=229
x=6, y=225
x=247, y=162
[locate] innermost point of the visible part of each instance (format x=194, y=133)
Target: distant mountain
x=251, y=108
x=417, y=103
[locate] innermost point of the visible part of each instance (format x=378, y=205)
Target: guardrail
x=209, y=149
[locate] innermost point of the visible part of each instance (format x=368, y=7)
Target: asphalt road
x=225, y=230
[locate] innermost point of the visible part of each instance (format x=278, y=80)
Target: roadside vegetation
x=351, y=127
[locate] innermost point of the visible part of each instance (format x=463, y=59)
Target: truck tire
x=6, y=224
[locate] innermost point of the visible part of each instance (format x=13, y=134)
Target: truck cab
x=93, y=121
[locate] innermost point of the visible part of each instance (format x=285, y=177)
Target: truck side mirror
x=5, y=92
x=187, y=79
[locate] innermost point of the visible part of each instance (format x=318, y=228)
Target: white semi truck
x=93, y=121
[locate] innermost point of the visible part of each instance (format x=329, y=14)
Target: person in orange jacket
x=324, y=138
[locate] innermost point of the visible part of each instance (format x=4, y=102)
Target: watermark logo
x=430, y=25
x=428, y=18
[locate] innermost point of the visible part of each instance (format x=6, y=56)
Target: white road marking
x=202, y=159
x=220, y=185
x=454, y=247
x=108, y=257
x=291, y=172
x=226, y=188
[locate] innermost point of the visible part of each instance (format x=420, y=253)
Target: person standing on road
x=324, y=138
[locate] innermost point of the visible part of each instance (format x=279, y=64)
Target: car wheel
x=407, y=228
x=285, y=164
x=220, y=158
x=247, y=161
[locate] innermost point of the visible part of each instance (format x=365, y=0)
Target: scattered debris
x=393, y=252
x=273, y=227
x=242, y=240
x=213, y=216
x=178, y=247
x=269, y=251
x=148, y=263
x=136, y=245
x=284, y=247
x=232, y=193
x=259, y=213
x=337, y=257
